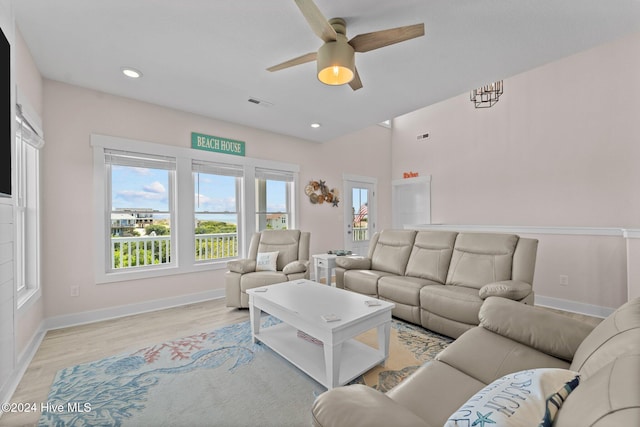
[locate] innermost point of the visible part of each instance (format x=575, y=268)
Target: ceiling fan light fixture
x=336, y=62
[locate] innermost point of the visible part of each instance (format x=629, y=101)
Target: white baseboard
x=24, y=359
x=85, y=317
x=573, y=306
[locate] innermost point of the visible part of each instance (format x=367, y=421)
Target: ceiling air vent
x=261, y=102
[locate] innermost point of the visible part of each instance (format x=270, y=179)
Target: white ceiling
x=209, y=56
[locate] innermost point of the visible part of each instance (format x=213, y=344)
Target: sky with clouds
x=145, y=188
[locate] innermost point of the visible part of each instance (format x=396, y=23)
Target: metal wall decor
x=488, y=95
x=319, y=193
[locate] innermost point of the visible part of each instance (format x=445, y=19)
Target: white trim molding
x=528, y=229
x=573, y=306
x=67, y=320
x=631, y=233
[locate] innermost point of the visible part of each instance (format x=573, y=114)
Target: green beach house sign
x=200, y=141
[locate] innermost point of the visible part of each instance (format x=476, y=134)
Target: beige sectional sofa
x=511, y=337
x=439, y=279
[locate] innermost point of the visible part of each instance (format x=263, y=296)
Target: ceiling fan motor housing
x=336, y=62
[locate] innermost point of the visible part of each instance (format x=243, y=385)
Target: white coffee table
x=300, y=305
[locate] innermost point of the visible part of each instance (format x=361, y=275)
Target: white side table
x=324, y=261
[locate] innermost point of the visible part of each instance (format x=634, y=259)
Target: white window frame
x=262, y=174
x=183, y=250
x=142, y=160
x=221, y=169
x=28, y=137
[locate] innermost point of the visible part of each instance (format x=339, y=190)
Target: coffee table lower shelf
x=356, y=358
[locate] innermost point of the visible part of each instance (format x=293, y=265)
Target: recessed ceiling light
x=131, y=73
x=315, y=125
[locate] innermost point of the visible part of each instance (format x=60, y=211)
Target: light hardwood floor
x=80, y=344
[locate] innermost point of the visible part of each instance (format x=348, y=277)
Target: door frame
x=347, y=181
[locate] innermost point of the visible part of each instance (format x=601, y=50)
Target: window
x=141, y=209
x=216, y=210
x=273, y=199
x=164, y=209
x=28, y=144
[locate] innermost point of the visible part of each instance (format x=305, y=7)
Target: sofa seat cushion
x=480, y=258
x=261, y=278
x=402, y=289
x=363, y=281
x=457, y=303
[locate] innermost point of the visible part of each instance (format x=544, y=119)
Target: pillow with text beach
x=525, y=398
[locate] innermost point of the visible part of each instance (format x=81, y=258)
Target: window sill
x=124, y=276
x=27, y=298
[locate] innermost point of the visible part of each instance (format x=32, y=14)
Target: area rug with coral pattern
x=217, y=378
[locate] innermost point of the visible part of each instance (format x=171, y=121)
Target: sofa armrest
x=361, y=406
x=296, y=267
x=511, y=289
x=242, y=266
x=539, y=328
x=353, y=262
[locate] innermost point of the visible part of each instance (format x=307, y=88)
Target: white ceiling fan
x=336, y=57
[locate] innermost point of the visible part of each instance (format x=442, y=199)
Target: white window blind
x=26, y=133
x=138, y=160
x=217, y=168
x=274, y=175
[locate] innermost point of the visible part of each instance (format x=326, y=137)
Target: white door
x=359, y=202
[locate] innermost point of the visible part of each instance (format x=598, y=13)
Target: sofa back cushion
x=431, y=255
x=392, y=251
x=285, y=242
x=615, y=336
x=481, y=258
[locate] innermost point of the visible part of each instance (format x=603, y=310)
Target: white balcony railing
x=130, y=252
x=216, y=246
x=360, y=234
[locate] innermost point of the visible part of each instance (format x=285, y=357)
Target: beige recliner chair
x=292, y=262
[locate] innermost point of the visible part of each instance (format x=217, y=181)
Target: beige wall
x=72, y=114
x=560, y=148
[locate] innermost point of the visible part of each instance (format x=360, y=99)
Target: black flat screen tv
x=6, y=119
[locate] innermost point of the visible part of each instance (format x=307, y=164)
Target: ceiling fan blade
x=370, y=41
x=318, y=23
x=356, y=83
x=295, y=61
